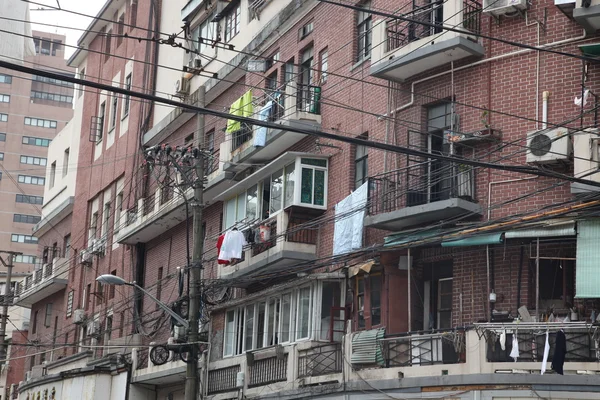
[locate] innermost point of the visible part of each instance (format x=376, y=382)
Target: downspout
x=387, y=127
x=495, y=58
x=545, y=97
x=537, y=70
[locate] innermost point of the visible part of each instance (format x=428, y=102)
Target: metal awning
x=555, y=229
x=401, y=238
x=366, y=348
x=476, y=240
x=264, y=172
x=587, y=278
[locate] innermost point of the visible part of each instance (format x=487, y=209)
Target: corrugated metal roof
x=476, y=240
x=554, y=230
x=366, y=348
x=587, y=273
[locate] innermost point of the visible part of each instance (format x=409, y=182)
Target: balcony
x=273, y=369
x=286, y=244
x=144, y=371
x=165, y=209
x=420, y=194
x=44, y=282
x=298, y=106
x=410, y=48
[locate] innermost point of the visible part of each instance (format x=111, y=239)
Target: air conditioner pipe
x=545, y=97
x=495, y=58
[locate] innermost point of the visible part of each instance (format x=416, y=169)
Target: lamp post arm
x=163, y=306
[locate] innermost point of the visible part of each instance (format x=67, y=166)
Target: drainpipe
x=495, y=58
x=409, y=264
x=546, y=96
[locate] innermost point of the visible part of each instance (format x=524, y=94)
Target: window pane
x=229, y=333
x=319, y=187
x=276, y=191
x=306, y=193
x=273, y=334
x=252, y=203
x=302, y=330
x=286, y=307
x=266, y=198
x=315, y=162
x=230, y=213
x=241, y=207
x=260, y=326
x=289, y=184
x=249, y=327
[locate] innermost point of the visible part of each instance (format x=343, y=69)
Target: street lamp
x=109, y=279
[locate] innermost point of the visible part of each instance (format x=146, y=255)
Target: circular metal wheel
x=184, y=354
x=159, y=355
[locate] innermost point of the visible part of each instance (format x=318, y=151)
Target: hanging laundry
x=219, y=244
x=503, y=340
x=349, y=216
x=546, y=351
x=232, y=246
x=242, y=107
x=260, y=136
x=514, y=353
x=560, y=352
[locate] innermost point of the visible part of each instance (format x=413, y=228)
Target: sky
x=61, y=19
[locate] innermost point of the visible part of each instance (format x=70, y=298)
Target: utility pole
x=6, y=302
x=192, y=375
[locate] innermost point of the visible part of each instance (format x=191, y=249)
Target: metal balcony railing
x=582, y=346
x=211, y=164
x=401, y=33
x=442, y=347
x=149, y=203
x=239, y=137
x=309, y=99
x=421, y=183
x=37, y=276
x=321, y=360
x=268, y=370
x=48, y=270
x=222, y=379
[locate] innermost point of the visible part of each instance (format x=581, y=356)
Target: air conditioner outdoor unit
x=586, y=152
x=79, y=316
x=97, y=246
x=94, y=329
x=182, y=86
x=502, y=7
x=548, y=146
x=86, y=257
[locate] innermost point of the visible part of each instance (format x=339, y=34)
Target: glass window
x=260, y=326
x=4, y=98
x=364, y=25
x=266, y=198
x=249, y=336
x=2, y=137
x=324, y=66
x=286, y=314
x=375, y=283
x=5, y=78
x=127, y=97
x=229, y=339
x=273, y=323
x=230, y=214
x=361, y=165
x=232, y=23
x=319, y=187
x=241, y=207
x=360, y=301
x=252, y=203
x=290, y=178
x=276, y=191
x=304, y=313
x=3, y=117
x=306, y=190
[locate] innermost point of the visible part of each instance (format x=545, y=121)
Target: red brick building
x=420, y=292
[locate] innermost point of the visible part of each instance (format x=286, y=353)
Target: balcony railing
x=309, y=99
x=263, y=246
x=400, y=33
x=149, y=204
x=444, y=347
x=37, y=276
x=238, y=138
x=268, y=370
x=222, y=379
x=211, y=164
x=419, y=184
x=48, y=270
x=581, y=346
x=322, y=360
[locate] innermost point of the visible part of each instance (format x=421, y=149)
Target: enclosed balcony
x=295, y=106
x=422, y=193
x=165, y=208
x=45, y=281
x=274, y=208
x=409, y=48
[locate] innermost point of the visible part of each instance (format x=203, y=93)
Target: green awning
x=401, y=238
x=590, y=50
x=476, y=240
x=587, y=269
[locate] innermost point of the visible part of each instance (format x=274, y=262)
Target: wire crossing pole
x=6, y=302
x=192, y=375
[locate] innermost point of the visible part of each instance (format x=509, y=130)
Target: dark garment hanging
x=560, y=352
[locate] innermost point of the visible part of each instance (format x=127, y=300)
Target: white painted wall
x=67, y=138
x=170, y=22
